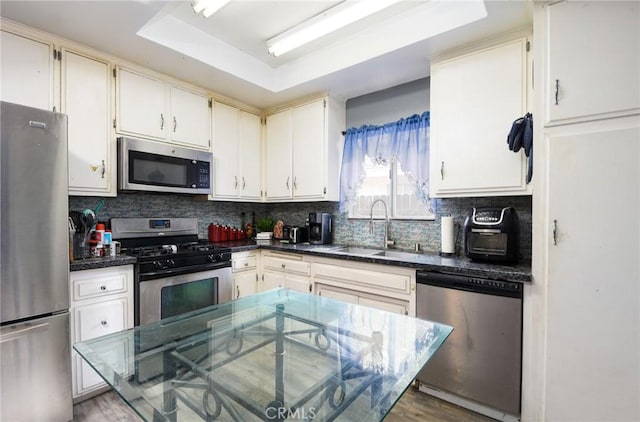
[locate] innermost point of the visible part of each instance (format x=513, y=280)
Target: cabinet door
x=190, y=118
x=603, y=40
x=308, y=134
x=384, y=305
x=337, y=294
x=141, y=105
x=278, y=156
x=245, y=284
x=250, y=160
x=593, y=333
x=86, y=99
x=26, y=71
x=298, y=283
x=225, y=151
x=272, y=280
x=475, y=98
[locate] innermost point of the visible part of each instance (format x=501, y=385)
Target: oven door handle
x=182, y=270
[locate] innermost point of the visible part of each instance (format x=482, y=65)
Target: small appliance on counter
x=298, y=234
x=492, y=234
x=320, y=230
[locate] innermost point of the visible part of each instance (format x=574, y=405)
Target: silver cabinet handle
x=295, y=183
x=175, y=124
x=288, y=182
x=244, y=183
x=442, y=171
x=161, y=121
x=104, y=169
x=235, y=185
x=557, y=89
x=555, y=232
x=237, y=292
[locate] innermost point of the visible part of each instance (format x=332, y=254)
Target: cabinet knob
x=283, y=266
x=103, y=287
x=103, y=323
x=246, y=264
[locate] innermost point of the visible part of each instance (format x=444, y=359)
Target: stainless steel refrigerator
x=35, y=378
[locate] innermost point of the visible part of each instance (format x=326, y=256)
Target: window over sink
x=389, y=163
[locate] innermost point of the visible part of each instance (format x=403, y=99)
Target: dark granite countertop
x=421, y=261
x=103, y=262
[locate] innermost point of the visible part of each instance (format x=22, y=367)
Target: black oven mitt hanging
x=521, y=136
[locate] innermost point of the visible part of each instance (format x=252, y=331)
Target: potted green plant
x=265, y=228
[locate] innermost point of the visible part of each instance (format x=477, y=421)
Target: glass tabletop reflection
x=274, y=356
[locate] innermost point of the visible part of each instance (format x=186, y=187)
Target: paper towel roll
x=447, y=235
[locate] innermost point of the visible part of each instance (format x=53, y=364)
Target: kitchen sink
x=355, y=250
x=395, y=254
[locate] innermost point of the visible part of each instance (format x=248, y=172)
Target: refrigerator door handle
x=8, y=334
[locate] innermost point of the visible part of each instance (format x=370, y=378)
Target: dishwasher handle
x=470, y=284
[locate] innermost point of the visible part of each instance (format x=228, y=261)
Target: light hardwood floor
x=413, y=406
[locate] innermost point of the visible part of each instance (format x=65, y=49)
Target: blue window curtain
x=407, y=140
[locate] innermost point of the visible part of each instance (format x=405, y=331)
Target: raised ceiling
x=226, y=53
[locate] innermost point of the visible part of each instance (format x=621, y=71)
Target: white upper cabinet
x=475, y=98
x=236, y=151
x=151, y=108
x=26, y=71
x=308, y=134
x=602, y=79
x=306, y=143
x=140, y=105
x=250, y=157
x=190, y=118
x=86, y=99
x=278, y=156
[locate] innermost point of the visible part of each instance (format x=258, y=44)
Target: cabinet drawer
x=99, y=285
x=286, y=264
x=100, y=319
x=244, y=263
x=382, y=281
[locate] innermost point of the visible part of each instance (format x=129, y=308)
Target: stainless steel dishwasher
x=481, y=361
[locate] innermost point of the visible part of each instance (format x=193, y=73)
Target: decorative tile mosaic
x=348, y=232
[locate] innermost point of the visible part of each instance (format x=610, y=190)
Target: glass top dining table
x=274, y=356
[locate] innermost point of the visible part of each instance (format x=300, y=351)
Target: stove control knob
x=157, y=264
x=215, y=257
x=171, y=263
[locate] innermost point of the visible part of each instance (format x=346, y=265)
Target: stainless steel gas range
x=175, y=272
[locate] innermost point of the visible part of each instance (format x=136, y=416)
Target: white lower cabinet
x=365, y=299
x=384, y=287
x=286, y=270
x=101, y=303
x=245, y=273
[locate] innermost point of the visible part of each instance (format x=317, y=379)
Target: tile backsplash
x=346, y=231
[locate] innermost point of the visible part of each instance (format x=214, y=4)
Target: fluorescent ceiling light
x=208, y=7
x=331, y=20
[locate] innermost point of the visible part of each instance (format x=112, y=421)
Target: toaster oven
x=492, y=234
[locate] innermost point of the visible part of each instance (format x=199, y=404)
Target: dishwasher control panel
x=474, y=284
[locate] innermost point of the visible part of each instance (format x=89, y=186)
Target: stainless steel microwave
x=153, y=166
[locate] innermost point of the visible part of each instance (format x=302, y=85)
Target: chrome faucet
x=387, y=242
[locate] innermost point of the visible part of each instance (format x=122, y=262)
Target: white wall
x=390, y=104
